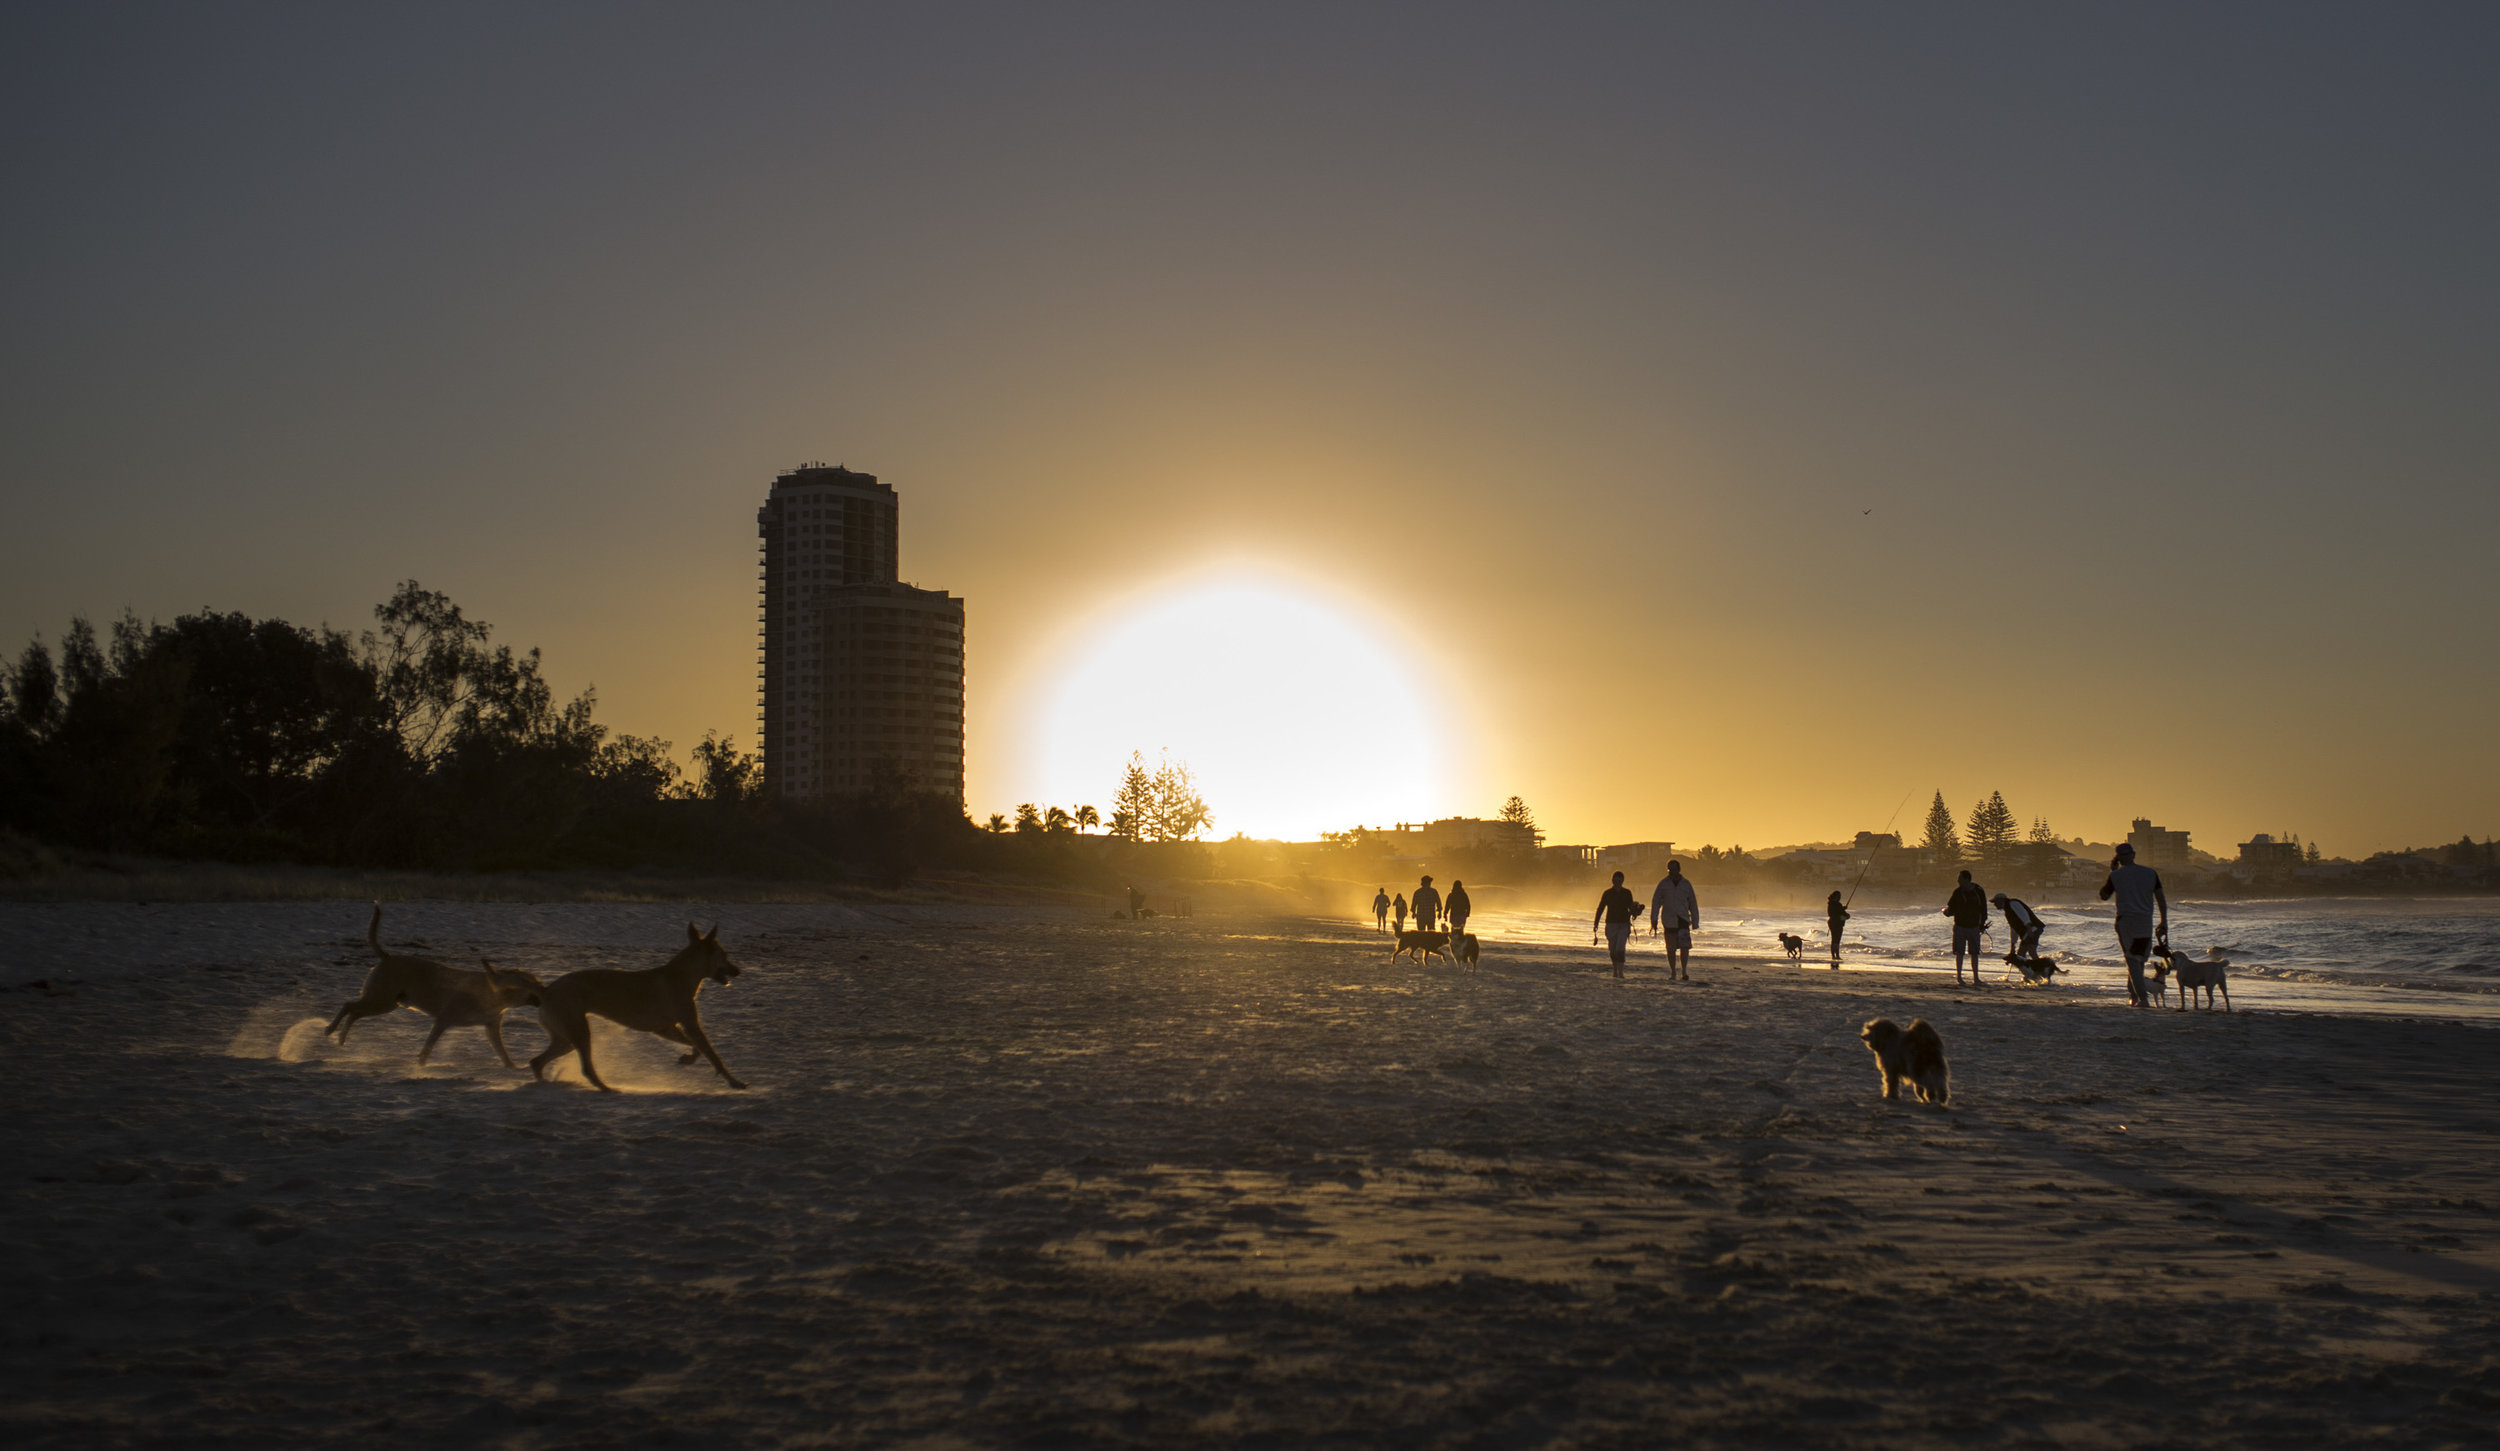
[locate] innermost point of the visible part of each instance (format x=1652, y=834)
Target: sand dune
x=1004, y=1180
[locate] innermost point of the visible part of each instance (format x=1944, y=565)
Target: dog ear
x=692, y=936
x=714, y=934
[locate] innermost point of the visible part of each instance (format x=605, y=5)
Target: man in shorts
x=1380, y=909
x=2024, y=923
x=1673, y=914
x=2138, y=890
x=1968, y=907
x=1615, y=910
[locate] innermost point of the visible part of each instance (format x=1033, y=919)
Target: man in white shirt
x=1673, y=913
x=2138, y=890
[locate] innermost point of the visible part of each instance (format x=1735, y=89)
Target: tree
x=1132, y=806
x=1991, y=831
x=2040, y=833
x=2314, y=854
x=1944, y=847
x=1028, y=818
x=1158, y=805
x=1087, y=818
x=1516, y=812
x=996, y=824
x=725, y=774
x=1056, y=820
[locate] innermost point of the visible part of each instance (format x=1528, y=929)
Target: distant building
x=1476, y=833
x=863, y=675
x=2163, y=851
x=1626, y=855
x=2262, y=853
x=1870, y=840
x=1578, y=856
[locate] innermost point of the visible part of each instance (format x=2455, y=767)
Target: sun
x=1296, y=714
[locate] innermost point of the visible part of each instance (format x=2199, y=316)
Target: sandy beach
x=1007, y=1176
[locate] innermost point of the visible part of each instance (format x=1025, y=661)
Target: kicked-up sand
x=1053, y=1182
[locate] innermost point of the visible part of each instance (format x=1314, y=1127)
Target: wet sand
x=1004, y=1181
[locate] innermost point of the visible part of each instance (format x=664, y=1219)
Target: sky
x=1738, y=417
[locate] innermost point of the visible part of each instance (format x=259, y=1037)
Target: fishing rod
x=1864, y=866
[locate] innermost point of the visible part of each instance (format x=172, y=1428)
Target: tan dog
x=2213, y=972
x=1915, y=1053
x=454, y=996
x=657, y=1000
x=1423, y=944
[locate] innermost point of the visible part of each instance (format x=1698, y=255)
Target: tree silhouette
x=1991, y=831
x=1087, y=818
x=996, y=823
x=1158, y=805
x=1944, y=847
x=1028, y=817
x=2040, y=833
x=1057, y=820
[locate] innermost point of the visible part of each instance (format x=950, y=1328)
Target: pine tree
x=1132, y=806
x=2040, y=833
x=1991, y=832
x=1944, y=848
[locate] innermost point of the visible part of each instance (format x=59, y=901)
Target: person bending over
x=2022, y=924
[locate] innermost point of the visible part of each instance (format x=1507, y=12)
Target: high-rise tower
x=863, y=675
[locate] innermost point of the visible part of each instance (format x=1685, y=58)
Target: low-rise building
x=2163, y=851
x=2263, y=854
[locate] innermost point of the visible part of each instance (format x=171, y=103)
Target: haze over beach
x=1435, y=726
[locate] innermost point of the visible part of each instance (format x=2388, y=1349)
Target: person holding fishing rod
x=1836, y=912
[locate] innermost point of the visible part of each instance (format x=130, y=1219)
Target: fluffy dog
x=2211, y=973
x=453, y=996
x=1464, y=949
x=2157, y=979
x=2033, y=969
x=1793, y=945
x=657, y=1000
x=1914, y=1053
x=1422, y=944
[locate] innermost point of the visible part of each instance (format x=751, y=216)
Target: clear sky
x=1741, y=416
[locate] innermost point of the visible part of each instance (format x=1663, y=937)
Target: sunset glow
x=1296, y=715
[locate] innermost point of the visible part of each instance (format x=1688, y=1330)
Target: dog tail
x=373, y=931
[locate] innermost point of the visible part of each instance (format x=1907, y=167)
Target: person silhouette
x=1836, y=912
x=2138, y=890
x=1458, y=908
x=1427, y=904
x=1398, y=910
x=1615, y=909
x=1674, y=911
x=1968, y=907
x=2023, y=923
x=1380, y=910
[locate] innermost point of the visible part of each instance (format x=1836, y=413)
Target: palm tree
x=1028, y=817
x=1056, y=820
x=996, y=822
x=1087, y=818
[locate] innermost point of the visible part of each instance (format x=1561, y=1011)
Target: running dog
x=657, y=1000
x=1793, y=945
x=1915, y=1053
x=2033, y=969
x=2211, y=973
x=1422, y=944
x=453, y=996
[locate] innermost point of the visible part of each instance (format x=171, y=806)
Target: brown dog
x=454, y=996
x=1464, y=949
x=657, y=1000
x=1915, y=1053
x=1422, y=944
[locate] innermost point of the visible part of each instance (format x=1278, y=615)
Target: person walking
x=2138, y=890
x=1836, y=912
x=1427, y=904
x=1458, y=908
x=1968, y=907
x=1397, y=909
x=2023, y=924
x=1615, y=911
x=1380, y=909
x=1673, y=914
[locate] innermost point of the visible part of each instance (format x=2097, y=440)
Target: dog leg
x=589, y=1072
x=494, y=1035
x=1892, y=1084
x=557, y=1046
x=693, y=1026
x=431, y=1039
